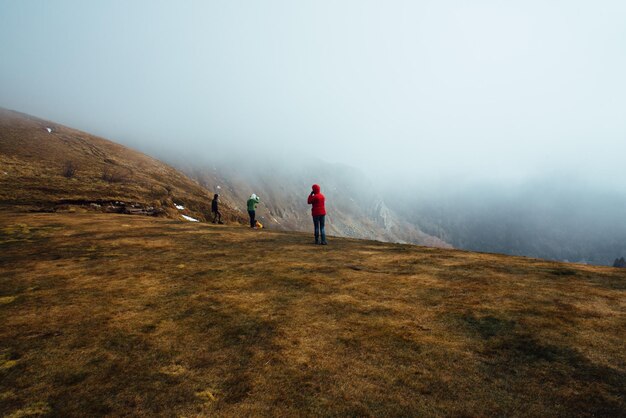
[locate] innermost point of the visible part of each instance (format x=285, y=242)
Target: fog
x=560, y=218
x=421, y=96
x=484, y=89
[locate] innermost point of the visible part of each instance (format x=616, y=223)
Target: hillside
x=355, y=209
x=106, y=314
x=49, y=167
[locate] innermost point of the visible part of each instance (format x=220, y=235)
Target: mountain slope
x=201, y=320
x=46, y=166
x=354, y=208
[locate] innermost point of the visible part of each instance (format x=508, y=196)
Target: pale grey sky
x=423, y=89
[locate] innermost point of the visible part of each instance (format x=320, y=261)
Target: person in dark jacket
x=217, y=215
x=252, y=203
x=317, y=199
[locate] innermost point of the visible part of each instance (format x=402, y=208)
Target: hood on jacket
x=316, y=189
x=254, y=197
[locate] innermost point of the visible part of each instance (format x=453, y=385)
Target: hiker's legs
x=218, y=214
x=251, y=213
x=322, y=231
x=316, y=226
x=215, y=216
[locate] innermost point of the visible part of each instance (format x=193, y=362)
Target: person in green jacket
x=252, y=203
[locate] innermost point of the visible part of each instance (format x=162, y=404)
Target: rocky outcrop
x=382, y=215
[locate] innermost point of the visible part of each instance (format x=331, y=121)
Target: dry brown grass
x=129, y=315
x=34, y=172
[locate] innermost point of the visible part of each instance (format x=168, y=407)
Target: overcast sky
x=487, y=89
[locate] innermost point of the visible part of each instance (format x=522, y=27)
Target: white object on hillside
x=49, y=130
x=218, y=187
x=189, y=218
x=179, y=207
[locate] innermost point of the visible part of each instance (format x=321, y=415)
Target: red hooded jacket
x=317, y=199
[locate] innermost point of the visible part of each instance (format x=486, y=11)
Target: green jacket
x=252, y=202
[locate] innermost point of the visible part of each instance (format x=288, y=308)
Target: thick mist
x=561, y=218
x=460, y=113
x=400, y=89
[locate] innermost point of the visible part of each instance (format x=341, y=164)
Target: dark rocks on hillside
x=619, y=263
x=129, y=208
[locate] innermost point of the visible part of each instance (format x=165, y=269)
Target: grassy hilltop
x=129, y=315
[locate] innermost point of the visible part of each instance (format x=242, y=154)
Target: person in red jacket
x=317, y=199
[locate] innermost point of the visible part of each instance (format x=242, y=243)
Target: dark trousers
x=217, y=216
x=318, y=223
x=252, y=215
